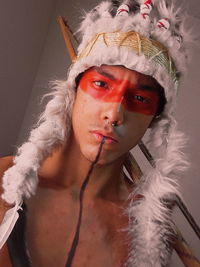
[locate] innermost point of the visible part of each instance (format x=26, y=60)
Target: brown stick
x=66, y=35
x=184, y=251
x=177, y=199
x=132, y=168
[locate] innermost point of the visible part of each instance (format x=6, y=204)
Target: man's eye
x=141, y=99
x=100, y=84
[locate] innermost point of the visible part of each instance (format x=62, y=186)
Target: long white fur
x=54, y=126
x=8, y=223
x=150, y=218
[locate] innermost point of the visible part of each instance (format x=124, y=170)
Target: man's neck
x=67, y=168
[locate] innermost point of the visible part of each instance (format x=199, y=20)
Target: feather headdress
x=142, y=35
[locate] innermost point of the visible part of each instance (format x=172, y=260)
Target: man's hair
x=162, y=100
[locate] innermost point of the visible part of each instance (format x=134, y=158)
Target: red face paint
x=131, y=96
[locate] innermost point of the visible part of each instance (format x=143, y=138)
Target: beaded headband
x=152, y=49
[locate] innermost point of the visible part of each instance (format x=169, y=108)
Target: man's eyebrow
x=146, y=87
x=104, y=73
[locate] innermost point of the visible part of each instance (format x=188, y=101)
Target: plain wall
x=23, y=30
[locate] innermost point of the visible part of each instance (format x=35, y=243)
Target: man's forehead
x=119, y=72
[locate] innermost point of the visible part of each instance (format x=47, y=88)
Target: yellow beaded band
x=153, y=50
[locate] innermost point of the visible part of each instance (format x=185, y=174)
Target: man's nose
x=114, y=112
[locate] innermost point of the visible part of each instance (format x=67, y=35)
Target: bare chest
x=51, y=224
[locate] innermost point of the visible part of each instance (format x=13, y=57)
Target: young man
x=113, y=94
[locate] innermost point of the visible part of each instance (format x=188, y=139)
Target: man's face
x=112, y=94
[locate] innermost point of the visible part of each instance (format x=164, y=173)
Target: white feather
x=169, y=11
x=8, y=223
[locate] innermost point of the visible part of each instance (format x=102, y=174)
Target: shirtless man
x=115, y=100
x=60, y=177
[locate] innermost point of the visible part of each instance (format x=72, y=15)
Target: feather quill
x=8, y=223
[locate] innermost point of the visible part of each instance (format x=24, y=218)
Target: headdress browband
x=152, y=49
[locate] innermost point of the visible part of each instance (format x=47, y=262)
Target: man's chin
x=105, y=158
x=92, y=155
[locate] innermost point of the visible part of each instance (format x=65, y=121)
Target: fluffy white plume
x=168, y=10
x=150, y=227
x=122, y=10
x=53, y=128
x=163, y=23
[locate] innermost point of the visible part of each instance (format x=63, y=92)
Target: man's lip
x=108, y=136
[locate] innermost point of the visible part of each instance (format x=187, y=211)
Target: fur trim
x=150, y=218
x=53, y=128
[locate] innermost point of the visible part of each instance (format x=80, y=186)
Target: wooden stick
x=184, y=251
x=187, y=215
x=66, y=35
x=177, y=199
x=146, y=152
x=132, y=168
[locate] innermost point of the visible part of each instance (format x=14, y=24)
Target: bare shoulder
x=5, y=163
x=4, y=257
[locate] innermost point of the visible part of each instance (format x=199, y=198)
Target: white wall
x=23, y=30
